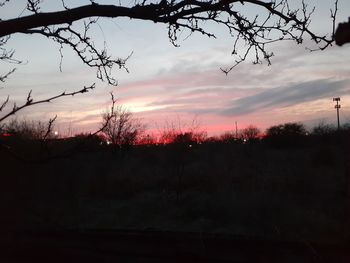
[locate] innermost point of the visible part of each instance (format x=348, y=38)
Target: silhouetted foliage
x=121, y=129
x=182, y=133
x=28, y=130
x=227, y=137
x=236, y=188
x=286, y=135
x=250, y=133
x=180, y=150
x=147, y=139
x=323, y=129
x=27, y=140
x=184, y=139
x=89, y=141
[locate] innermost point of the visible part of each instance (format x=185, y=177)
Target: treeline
x=249, y=182
x=126, y=131
x=37, y=141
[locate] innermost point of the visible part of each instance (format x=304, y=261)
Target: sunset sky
x=168, y=84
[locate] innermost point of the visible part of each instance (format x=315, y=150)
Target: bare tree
x=120, y=127
x=250, y=133
x=182, y=132
x=37, y=131
x=227, y=137
x=30, y=130
x=323, y=129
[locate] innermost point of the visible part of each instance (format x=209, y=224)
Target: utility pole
x=337, y=107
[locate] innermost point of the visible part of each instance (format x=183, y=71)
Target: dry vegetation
x=285, y=187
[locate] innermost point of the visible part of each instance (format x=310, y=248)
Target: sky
x=182, y=85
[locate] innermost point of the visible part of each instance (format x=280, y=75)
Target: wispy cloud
x=288, y=95
x=189, y=83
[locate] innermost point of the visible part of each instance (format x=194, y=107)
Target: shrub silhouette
x=227, y=137
x=250, y=133
x=88, y=142
x=121, y=129
x=186, y=138
x=286, y=135
x=27, y=130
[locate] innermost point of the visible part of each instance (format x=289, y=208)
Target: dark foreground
x=121, y=246
x=297, y=195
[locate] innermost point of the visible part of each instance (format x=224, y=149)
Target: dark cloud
x=288, y=95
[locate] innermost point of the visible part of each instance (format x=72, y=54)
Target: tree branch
x=68, y=16
x=276, y=21
x=30, y=101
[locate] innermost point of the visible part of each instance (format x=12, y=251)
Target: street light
x=337, y=107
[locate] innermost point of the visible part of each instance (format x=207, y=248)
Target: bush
x=28, y=130
x=251, y=133
x=286, y=135
x=323, y=129
x=121, y=129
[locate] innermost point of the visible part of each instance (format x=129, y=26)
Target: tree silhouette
x=31, y=130
x=250, y=133
x=323, y=129
x=288, y=134
x=276, y=20
x=120, y=127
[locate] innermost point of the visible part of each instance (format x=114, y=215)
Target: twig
x=30, y=101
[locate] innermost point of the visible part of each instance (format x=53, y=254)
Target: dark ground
x=214, y=202
x=119, y=246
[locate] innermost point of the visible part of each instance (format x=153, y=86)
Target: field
x=296, y=192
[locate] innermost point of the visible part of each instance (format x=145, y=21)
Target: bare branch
x=85, y=49
x=31, y=102
x=2, y=3
x=4, y=77
x=64, y=5
x=119, y=126
x=275, y=21
x=3, y=105
x=69, y=152
x=33, y=6
x=108, y=116
x=49, y=128
x=7, y=55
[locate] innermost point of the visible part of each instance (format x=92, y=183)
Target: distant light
x=108, y=142
x=56, y=133
x=6, y=134
x=190, y=145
